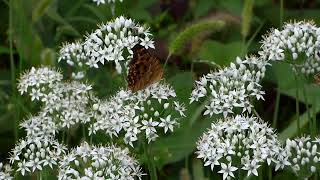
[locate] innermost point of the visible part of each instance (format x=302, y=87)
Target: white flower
x=37, y=82
x=114, y=40
x=36, y=153
x=5, y=172
x=167, y=123
x=227, y=170
x=73, y=54
x=301, y=155
x=40, y=126
x=105, y=1
x=99, y=162
x=68, y=103
x=231, y=87
x=251, y=167
x=298, y=43
x=138, y=112
x=242, y=138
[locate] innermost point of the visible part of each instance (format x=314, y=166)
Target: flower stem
x=166, y=62
x=308, y=111
x=84, y=132
x=297, y=104
x=269, y=173
x=12, y=69
x=276, y=109
x=281, y=12
x=150, y=163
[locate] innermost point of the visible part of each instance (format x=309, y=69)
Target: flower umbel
x=245, y=140
x=37, y=82
x=74, y=55
x=36, y=153
x=99, y=162
x=5, y=172
x=231, y=87
x=301, y=155
x=298, y=43
x=41, y=126
x=145, y=112
x=114, y=40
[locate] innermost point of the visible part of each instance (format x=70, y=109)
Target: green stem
x=281, y=12
x=314, y=116
x=150, y=163
x=166, y=62
x=12, y=69
x=269, y=173
x=276, y=109
x=308, y=111
x=84, y=132
x=297, y=104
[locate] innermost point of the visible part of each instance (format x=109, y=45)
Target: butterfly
x=144, y=69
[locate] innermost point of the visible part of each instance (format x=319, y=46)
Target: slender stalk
x=276, y=110
x=308, y=111
x=314, y=117
x=165, y=63
x=297, y=104
x=84, y=132
x=12, y=70
x=151, y=166
x=269, y=173
x=281, y=12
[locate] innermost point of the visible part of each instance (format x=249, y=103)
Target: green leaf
x=202, y=7
x=198, y=170
x=28, y=42
x=4, y=50
x=40, y=8
x=178, y=144
x=48, y=56
x=182, y=141
x=292, y=129
x=182, y=84
x=64, y=24
x=221, y=54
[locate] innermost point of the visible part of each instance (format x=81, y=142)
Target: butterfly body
x=144, y=69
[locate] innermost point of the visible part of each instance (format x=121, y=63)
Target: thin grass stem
x=308, y=111
x=297, y=104
x=276, y=109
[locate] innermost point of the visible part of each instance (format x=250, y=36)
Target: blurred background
x=32, y=31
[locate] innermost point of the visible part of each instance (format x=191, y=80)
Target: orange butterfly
x=144, y=69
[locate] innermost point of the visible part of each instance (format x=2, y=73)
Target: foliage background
x=32, y=31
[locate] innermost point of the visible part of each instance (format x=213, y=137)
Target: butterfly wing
x=144, y=69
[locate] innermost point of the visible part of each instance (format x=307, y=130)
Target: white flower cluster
x=73, y=54
x=302, y=155
x=244, y=140
x=231, y=87
x=68, y=103
x=143, y=111
x=105, y=1
x=37, y=82
x=298, y=43
x=99, y=162
x=5, y=172
x=41, y=126
x=36, y=153
x=114, y=40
